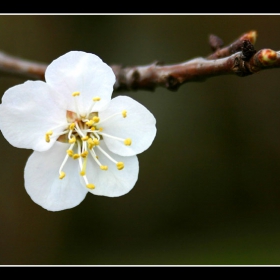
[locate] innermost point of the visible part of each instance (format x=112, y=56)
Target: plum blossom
x=82, y=140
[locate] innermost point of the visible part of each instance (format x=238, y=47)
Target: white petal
x=82, y=72
x=139, y=125
x=27, y=112
x=112, y=182
x=42, y=181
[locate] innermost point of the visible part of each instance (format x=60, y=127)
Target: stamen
x=72, y=126
x=85, y=138
x=70, y=153
x=76, y=93
x=47, y=136
x=126, y=141
x=103, y=167
x=75, y=156
x=120, y=165
x=83, y=171
x=90, y=123
x=94, y=99
x=95, y=135
x=61, y=175
x=90, y=143
x=50, y=132
x=124, y=113
x=96, y=119
x=84, y=154
x=72, y=140
x=95, y=141
x=95, y=157
x=79, y=131
x=90, y=186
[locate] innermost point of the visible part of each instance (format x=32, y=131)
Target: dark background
x=208, y=191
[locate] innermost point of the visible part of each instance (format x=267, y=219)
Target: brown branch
x=15, y=66
x=239, y=58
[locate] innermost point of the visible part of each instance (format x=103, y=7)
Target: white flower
x=82, y=140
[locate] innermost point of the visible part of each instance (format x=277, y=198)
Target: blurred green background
x=208, y=191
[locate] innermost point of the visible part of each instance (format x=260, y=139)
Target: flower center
x=84, y=133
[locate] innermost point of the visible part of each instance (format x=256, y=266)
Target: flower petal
x=82, y=72
x=42, y=181
x=139, y=126
x=27, y=112
x=112, y=182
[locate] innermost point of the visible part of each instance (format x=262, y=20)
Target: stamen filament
x=102, y=167
x=94, y=135
x=83, y=169
x=94, y=99
x=74, y=94
x=79, y=131
x=123, y=113
x=109, y=157
x=126, y=141
x=61, y=173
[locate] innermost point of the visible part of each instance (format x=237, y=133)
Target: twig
x=239, y=58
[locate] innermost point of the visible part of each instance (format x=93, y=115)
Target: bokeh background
x=208, y=191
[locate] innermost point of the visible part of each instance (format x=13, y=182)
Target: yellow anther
x=70, y=153
x=120, y=165
x=75, y=156
x=97, y=98
x=76, y=93
x=62, y=175
x=90, y=186
x=95, y=119
x=84, y=154
x=101, y=129
x=95, y=141
x=72, y=126
x=103, y=167
x=92, y=128
x=47, y=138
x=124, y=113
x=72, y=140
x=90, y=123
x=82, y=173
x=127, y=141
x=85, y=138
x=90, y=143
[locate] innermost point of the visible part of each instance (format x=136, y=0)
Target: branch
x=239, y=58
